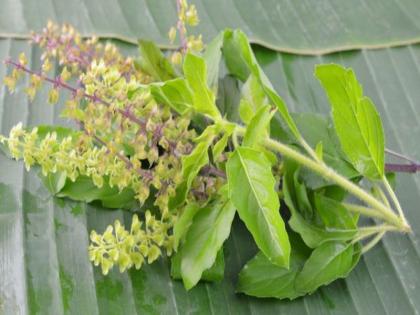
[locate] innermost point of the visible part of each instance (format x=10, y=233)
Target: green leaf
x=195, y=71
x=316, y=128
x=317, y=223
x=174, y=93
x=212, y=56
x=54, y=181
x=83, y=189
x=184, y=222
x=328, y=262
x=287, y=26
x=210, y=228
x=334, y=215
x=221, y=144
x=258, y=128
x=252, y=191
x=253, y=98
x=319, y=150
x=154, y=63
x=191, y=166
x=215, y=273
x=356, y=119
x=261, y=278
x=228, y=98
x=241, y=62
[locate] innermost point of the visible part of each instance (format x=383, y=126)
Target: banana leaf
x=304, y=27
x=44, y=267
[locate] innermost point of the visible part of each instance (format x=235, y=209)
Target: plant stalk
x=394, y=199
x=373, y=242
x=330, y=174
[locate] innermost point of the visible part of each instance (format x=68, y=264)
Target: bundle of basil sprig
x=299, y=182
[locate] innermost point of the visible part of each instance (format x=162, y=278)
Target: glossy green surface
x=44, y=268
x=293, y=26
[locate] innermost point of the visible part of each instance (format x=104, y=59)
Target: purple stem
x=180, y=27
x=402, y=168
x=59, y=83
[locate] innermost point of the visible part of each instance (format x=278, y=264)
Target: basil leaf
x=241, y=62
x=214, y=273
x=210, y=228
x=83, y=189
x=356, y=119
x=328, y=262
x=212, y=56
x=316, y=128
x=228, y=98
x=53, y=181
x=184, y=222
x=220, y=145
x=258, y=128
x=251, y=189
x=154, y=63
x=334, y=215
x=261, y=278
x=195, y=71
x=191, y=165
x=174, y=93
x=316, y=225
x=253, y=98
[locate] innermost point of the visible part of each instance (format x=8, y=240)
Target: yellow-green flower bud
x=53, y=96
x=172, y=34
x=192, y=16
x=153, y=254
x=22, y=59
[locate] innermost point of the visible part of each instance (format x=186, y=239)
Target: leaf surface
x=195, y=71
x=251, y=189
x=204, y=239
x=356, y=119
x=328, y=262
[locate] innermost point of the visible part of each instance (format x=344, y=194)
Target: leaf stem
x=310, y=151
x=364, y=232
x=235, y=138
x=373, y=242
x=394, y=199
x=328, y=173
x=367, y=212
x=380, y=193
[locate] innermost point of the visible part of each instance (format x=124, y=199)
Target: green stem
x=368, y=212
x=373, y=242
x=394, y=199
x=329, y=174
x=377, y=189
x=310, y=151
x=235, y=139
x=364, y=232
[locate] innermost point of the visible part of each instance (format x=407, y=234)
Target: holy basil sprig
x=169, y=150
x=322, y=218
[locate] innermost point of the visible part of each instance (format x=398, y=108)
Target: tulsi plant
x=154, y=136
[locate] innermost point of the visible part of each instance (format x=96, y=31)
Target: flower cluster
x=67, y=46
x=126, y=138
x=187, y=15
x=126, y=249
